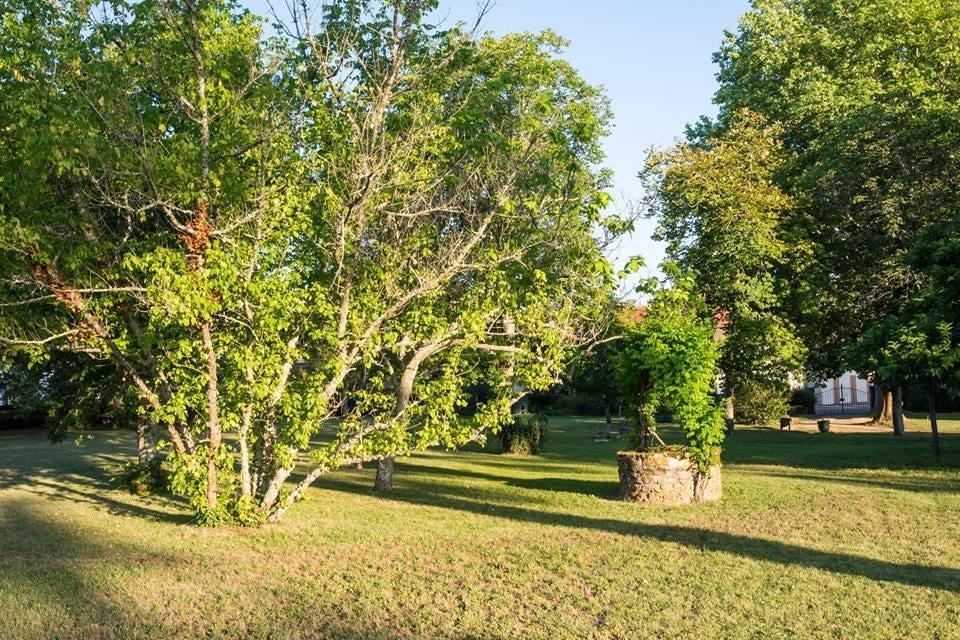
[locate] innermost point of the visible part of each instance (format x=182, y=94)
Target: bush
x=760, y=403
x=803, y=401
x=144, y=478
x=525, y=435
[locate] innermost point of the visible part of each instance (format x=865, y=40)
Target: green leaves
x=345, y=232
x=865, y=99
x=668, y=360
x=724, y=216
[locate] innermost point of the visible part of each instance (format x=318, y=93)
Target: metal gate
x=843, y=399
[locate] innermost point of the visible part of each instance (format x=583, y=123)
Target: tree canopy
x=867, y=103
x=722, y=215
x=842, y=114
x=357, y=218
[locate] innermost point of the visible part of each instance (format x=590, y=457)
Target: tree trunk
x=246, y=486
x=882, y=405
x=644, y=428
x=603, y=429
x=213, y=417
x=146, y=440
x=897, y=411
x=933, y=421
x=728, y=393
x=384, y=481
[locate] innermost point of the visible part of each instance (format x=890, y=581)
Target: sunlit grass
x=946, y=422
x=818, y=536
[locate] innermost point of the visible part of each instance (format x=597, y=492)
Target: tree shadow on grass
x=607, y=489
x=897, y=483
x=427, y=494
x=46, y=567
x=836, y=451
x=72, y=473
x=61, y=580
x=582, y=486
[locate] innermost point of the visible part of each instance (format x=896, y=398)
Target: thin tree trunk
x=246, y=486
x=146, y=439
x=603, y=429
x=644, y=428
x=730, y=409
x=933, y=421
x=213, y=417
x=510, y=330
x=897, y=411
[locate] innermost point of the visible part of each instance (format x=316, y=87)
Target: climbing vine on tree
x=668, y=360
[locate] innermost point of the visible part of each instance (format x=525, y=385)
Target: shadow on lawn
x=68, y=582
x=836, y=451
x=427, y=494
x=596, y=488
x=45, y=565
x=900, y=483
x=79, y=474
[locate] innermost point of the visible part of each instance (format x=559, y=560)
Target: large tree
x=920, y=344
x=355, y=219
x=722, y=216
x=867, y=99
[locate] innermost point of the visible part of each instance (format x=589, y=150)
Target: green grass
x=818, y=536
x=946, y=422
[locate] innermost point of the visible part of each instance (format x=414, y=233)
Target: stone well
x=665, y=478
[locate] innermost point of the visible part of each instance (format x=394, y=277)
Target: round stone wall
x=665, y=478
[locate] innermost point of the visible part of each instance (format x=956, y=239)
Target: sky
x=652, y=57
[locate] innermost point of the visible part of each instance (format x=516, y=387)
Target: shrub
x=803, y=401
x=760, y=402
x=144, y=478
x=525, y=435
x=668, y=363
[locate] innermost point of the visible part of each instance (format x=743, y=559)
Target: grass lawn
x=818, y=536
x=946, y=422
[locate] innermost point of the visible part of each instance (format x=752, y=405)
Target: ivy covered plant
x=669, y=361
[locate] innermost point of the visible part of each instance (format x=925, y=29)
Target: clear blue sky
x=653, y=58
